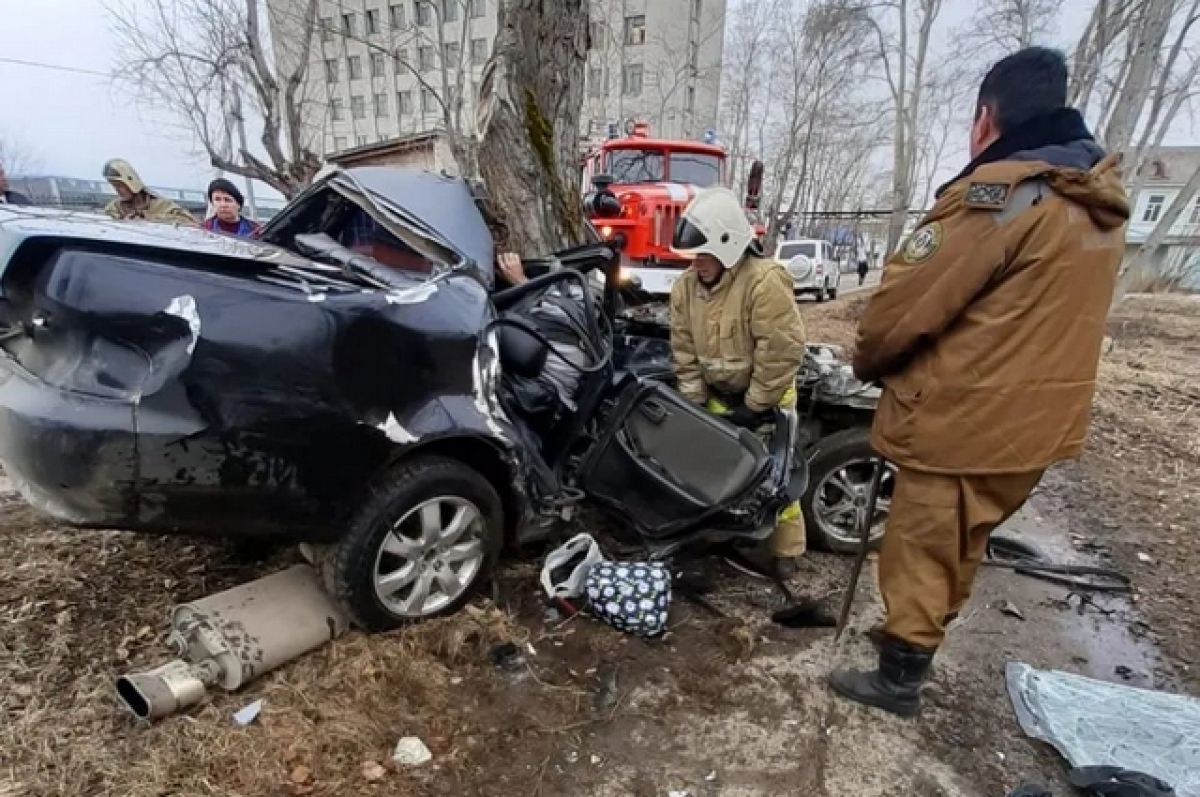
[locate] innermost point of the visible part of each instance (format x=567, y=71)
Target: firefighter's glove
x=747, y=418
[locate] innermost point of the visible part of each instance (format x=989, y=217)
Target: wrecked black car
x=350, y=380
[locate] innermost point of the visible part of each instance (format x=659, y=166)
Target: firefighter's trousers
x=937, y=534
x=790, y=537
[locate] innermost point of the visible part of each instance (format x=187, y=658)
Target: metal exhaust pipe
x=230, y=638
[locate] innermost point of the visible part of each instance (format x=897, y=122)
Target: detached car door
x=666, y=464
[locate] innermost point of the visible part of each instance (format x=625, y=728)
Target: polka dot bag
x=631, y=596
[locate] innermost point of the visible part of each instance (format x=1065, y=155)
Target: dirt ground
x=724, y=705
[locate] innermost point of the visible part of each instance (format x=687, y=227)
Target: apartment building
x=387, y=69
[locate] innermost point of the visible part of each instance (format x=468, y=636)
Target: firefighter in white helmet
x=736, y=334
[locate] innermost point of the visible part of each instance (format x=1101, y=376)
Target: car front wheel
x=421, y=546
x=840, y=470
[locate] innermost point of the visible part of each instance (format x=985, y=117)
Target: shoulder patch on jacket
x=990, y=196
x=924, y=241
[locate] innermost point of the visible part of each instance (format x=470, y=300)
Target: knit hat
x=221, y=184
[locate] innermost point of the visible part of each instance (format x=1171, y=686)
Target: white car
x=812, y=266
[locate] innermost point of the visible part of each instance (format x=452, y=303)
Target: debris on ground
x=248, y=713
x=411, y=752
x=1009, y=608
x=1094, y=722
x=507, y=656
x=373, y=771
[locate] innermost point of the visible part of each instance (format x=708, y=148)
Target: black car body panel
x=172, y=380
x=167, y=379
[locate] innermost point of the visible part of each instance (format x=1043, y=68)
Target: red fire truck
x=638, y=187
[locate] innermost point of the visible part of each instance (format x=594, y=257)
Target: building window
x=337, y=111
x=424, y=12
x=691, y=98
x=326, y=28
x=478, y=9
x=355, y=67
x=631, y=80
x=479, y=51
x=331, y=70
x=396, y=15
x=360, y=141
x=428, y=101
x=380, y=105
x=348, y=24
x=425, y=58
x=404, y=105
x=378, y=69
x=1154, y=206
x=1195, y=218
x=451, y=53
x=339, y=143
x=358, y=108
x=400, y=60
x=635, y=29
x=449, y=10
x=595, y=82
x=372, y=17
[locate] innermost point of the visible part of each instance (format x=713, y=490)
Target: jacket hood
x=1099, y=190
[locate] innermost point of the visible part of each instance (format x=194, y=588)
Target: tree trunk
x=1146, y=40
x=531, y=97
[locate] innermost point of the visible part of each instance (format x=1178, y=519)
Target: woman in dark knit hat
x=226, y=200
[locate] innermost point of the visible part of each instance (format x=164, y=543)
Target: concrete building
x=657, y=61
x=382, y=69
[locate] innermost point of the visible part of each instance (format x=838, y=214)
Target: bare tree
x=1145, y=40
x=746, y=57
x=904, y=57
x=195, y=57
x=673, y=69
x=1004, y=26
x=17, y=157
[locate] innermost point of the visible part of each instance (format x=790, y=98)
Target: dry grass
x=835, y=322
x=81, y=607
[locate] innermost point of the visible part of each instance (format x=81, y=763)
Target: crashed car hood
x=19, y=224
x=435, y=215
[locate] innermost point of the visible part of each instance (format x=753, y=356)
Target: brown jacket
x=988, y=324
x=743, y=336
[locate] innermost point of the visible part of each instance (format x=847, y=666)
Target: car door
x=666, y=465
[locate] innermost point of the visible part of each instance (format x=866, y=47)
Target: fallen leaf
x=301, y=774
x=373, y=771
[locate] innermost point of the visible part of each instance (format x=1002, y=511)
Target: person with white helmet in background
x=736, y=335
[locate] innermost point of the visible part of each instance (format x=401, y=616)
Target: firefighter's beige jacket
x=744, y=336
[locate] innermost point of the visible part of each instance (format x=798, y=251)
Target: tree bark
x=531, y=97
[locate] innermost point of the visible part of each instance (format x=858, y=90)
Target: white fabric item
x=583, y=546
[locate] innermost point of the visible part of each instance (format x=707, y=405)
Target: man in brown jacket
x=986, y=333
x=736, y=335
x=135, y=201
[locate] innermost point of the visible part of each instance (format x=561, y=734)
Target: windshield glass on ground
x=788, y=251
x=695, y=169
x=635, y=165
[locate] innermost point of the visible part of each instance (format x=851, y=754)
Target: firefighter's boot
x=895, y=686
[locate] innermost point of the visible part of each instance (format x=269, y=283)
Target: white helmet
x=714, y=223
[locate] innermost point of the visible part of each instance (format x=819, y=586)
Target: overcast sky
x=73, y=122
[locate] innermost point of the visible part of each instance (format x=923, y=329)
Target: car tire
x=833, y=291
x=848, y=450
x=431, y=528
x=820, y=295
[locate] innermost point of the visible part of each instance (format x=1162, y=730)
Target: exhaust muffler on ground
x=231, y=638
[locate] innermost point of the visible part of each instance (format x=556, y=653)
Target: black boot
x=895, y=686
